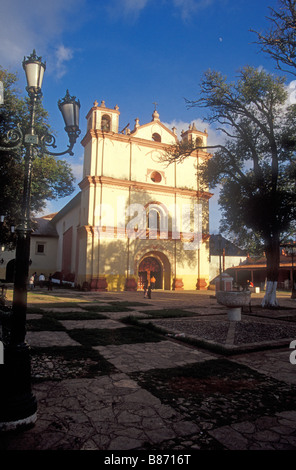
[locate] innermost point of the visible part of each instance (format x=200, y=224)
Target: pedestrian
x=153, y=280
x=31, y=282
x=35, y=279
x=249, y=284
x=145, y=288
x=149, y=291
x=41, y=280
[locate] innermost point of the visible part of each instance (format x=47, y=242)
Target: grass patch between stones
x=50, y=321
x=45, y=305
x=88, y=315
x=45, y=323
x=218, y=392
x=169, y=313
x=128, y=303
x=104, y=337
x=36, y=310
x=107, y=308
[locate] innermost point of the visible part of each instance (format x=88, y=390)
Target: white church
x=135, y=218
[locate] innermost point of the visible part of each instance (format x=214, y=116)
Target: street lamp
x=34, y=70
x=18, y=406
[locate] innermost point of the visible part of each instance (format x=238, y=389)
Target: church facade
x=136, y=218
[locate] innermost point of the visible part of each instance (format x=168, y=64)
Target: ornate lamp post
x=17, y=404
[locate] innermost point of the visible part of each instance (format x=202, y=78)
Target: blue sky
x=132, y=53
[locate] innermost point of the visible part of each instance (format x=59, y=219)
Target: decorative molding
x=122, y=232
x=142, y=186
x=131, y=139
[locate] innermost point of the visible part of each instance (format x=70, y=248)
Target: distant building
x=43, y=250
x=223, y=255
x=254, y=270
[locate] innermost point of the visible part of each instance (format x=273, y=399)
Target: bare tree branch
x=280, y=40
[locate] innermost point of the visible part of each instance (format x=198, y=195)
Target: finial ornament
x=155, y=115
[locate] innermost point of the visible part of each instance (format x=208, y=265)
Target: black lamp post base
x=18, y=406
x=19, y=424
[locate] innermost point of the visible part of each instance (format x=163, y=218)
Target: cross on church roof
x=155, y=104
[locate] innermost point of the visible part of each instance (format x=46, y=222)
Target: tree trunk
x=272, y=265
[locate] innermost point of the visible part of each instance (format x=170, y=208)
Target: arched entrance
x=154, y=265
x=10, y=271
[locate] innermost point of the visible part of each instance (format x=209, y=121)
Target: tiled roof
x=43, y=227
x=218, y=243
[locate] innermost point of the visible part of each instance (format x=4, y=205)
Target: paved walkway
x=143, y=402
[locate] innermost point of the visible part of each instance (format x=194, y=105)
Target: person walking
x=31, y=281
x=153, y=280
x=41, y=280
x=145, y=288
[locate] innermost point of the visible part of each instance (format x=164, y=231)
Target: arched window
x=106, y=123
x=157, y=221
x=156, y=137
x=153, y=217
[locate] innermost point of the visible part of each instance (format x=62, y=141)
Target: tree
x=280, y=40
x=255, y=166
x=52, y=178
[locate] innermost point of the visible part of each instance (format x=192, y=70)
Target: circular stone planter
x=234, y=301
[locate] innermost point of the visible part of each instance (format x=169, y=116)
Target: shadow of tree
x=121, y=251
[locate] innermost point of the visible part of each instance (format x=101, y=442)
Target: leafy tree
x=280, y=40
x=256, y=165
x=52, y=178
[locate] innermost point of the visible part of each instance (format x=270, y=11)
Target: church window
x=156, y=177
x=106, y=123
x=157, y=220
x=156, y=137
x=153, y=219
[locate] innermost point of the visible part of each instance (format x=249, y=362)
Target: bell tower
x=195, y=136
x=102, y=118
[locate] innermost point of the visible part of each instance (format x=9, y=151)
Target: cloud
x=33, y=25
x=77, y=169
x=130, y=9
x=291, y=91
x=63, y=54
x=134, y=4
x=190, y=7
x=28, y=25
x=133, y=8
